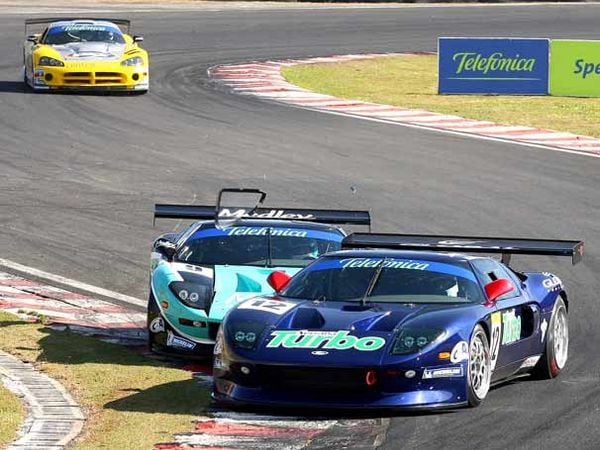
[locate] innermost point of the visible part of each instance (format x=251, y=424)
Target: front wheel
x=556, y=351
x=26, y=86
x=479, y=367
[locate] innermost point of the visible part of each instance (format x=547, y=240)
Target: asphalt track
x=80, y=175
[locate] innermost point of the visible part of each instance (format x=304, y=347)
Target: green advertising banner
x=574, y=68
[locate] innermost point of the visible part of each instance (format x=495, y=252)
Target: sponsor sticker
x=258, y=231
x=326, y=340
x=495, y=338
x=552, y=283
x=83, y=27
x=442, y=372
x=543, y=328
x=270, y=306
x=178, y=342
x=511, y=326
x=242, y=213
x=389, y=263
x=157, y=325
x=530, y=362
x=460, y=352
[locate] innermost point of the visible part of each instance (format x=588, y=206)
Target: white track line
x=71, y=283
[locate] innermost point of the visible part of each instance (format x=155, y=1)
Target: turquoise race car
x=226, y=257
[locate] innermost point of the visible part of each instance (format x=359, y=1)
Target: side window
x=489, y=270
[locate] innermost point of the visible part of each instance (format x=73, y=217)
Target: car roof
x=405, y=254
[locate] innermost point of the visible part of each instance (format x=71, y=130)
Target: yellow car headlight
x=47, y=61
x=135, y=61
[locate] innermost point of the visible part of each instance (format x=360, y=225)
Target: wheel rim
x=561, y=337
x=479, y=367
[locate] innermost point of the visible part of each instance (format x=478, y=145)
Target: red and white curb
x=64, y=309
x=54, y=419
x=264, y=80
x=228, y=431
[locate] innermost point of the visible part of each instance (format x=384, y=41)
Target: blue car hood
x=334, y=333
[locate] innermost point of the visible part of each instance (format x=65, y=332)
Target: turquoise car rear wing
x=467, y=244
x=223, y=211
x=330, y=216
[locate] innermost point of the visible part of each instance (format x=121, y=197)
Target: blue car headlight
x=47, y=61
x=191, y=294
x=245, y=334
x=412, y=340
x=135, y=61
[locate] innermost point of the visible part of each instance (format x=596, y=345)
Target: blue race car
x=224, y=258
x=395, y=322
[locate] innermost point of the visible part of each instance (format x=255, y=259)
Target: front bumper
x=407, y=386
x=113, y=77
x=224, y=393
x=167, y=339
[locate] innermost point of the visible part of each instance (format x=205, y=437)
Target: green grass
x=411, y=81
x=131, y=402
x=12, y=415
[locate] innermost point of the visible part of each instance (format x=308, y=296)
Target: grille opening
x=315, y=378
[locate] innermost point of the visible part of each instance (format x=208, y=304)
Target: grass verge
x=12, y=414
x=411, y=81
x=131, y=402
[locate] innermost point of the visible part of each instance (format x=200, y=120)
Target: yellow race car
x=84, y=54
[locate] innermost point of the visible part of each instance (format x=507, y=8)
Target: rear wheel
x=479, y=367
x=555, y=354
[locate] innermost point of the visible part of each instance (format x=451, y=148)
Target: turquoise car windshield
x=385, y=280
x=239, y=246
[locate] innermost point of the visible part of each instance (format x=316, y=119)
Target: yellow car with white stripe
x=84, y=54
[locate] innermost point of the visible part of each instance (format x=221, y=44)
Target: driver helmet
x=301, y=248
x=444, y=285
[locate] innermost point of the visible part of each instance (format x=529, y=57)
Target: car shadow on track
x=22, y=88
x=13, y=87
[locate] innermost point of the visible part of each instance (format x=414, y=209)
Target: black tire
x=152, y=312
x=26, y=87
x=555, y=355
x=479, y=371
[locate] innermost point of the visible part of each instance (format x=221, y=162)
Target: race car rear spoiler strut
x=123, y=22
x=331, y=216
x=468, y=244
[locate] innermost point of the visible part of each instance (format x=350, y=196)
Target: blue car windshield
x=66, y=34
x=257, y=246
x=385, y=280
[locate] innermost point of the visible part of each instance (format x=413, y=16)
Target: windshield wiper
x=373, y=282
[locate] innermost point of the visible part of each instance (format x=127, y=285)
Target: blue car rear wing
x=468, y=244
x=331, y=216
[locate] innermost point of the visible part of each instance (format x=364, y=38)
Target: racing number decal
x=272, y=306
x=495, y=338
